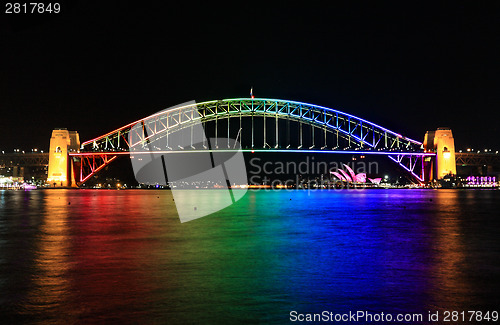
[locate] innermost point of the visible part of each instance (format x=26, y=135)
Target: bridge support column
x=442, y=143
x=60, y=172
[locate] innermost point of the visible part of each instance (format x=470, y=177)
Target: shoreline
x=267, y=188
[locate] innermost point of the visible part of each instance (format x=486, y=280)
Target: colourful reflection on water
x=123, y=256
x=50, y=288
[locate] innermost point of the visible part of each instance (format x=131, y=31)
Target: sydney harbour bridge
x=258, y=125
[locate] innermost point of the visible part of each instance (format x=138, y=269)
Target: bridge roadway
x=42, y=159
x=477, y=159
x=24, y=160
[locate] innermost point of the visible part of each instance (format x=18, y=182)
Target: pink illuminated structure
x=375, y=180
x=481, y=181
x=353, y=178
x=342, y=178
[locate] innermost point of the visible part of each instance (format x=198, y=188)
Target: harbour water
x=107, y=256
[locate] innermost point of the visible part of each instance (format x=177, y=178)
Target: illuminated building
x=60, y=171
x=442, y=143
x=359, y=178
x=480, y=181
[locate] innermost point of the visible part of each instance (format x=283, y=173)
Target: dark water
x=85, y=256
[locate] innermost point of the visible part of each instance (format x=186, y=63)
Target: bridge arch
x=359, y=131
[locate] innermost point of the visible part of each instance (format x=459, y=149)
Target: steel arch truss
x=92, y=163
x=363, y=134
x=414, y=164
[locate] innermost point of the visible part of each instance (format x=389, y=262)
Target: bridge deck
x=351, y=152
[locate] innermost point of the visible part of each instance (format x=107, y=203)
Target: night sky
x=409, y=67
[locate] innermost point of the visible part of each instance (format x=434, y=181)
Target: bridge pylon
x=442, y=143
x=61, y=170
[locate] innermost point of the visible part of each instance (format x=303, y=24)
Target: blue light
x=327, y=109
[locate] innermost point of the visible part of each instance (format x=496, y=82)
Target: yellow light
x=446, y=154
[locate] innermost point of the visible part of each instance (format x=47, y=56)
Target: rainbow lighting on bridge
x=259, y=125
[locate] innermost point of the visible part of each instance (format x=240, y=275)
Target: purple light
x=484, y=181
x=418, y=177
x=28, y=187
